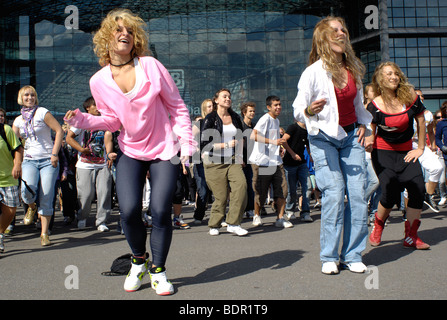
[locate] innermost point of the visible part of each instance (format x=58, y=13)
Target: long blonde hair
x=405, y=90
x=103, y=37
x=321, y=49
x=204, y=107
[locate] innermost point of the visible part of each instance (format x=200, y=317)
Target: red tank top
x=345, y=101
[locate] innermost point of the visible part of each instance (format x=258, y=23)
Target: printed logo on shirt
x=93, y=140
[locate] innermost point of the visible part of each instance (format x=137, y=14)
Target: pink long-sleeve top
x=155, y=124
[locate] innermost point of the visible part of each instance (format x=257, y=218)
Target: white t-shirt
x=229, y=132
x=40, y=145
x=266, y=154
x=428, y=120
x=94, y=140
x=139, y=77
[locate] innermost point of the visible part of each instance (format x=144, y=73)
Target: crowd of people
x=360, y=152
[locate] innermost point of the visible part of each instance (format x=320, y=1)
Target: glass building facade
x=255, y=48
x=418, y=44
x=411, y=33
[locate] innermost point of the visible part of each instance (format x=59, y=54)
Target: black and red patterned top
x=395, y=130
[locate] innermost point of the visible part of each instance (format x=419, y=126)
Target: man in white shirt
x=431, y=165
x=267, y=163
x=93, y=175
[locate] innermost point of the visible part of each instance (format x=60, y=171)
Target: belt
x=350, y=127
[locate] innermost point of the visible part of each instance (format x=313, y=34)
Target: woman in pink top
x=136, y=94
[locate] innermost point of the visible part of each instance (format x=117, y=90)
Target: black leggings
x=130, y=179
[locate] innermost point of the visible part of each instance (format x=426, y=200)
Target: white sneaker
x=160, y=283
x=329, y=267
x=82, y=223
x=281, y=223
x=135, y=275
x=290, y=215
x=214, y=231
x=257, y=221
x=103, y=228
x=224, y=224
x=237, y=230
x=442, y=201
x=2, y=244
x=357, y=267
x=305, y=216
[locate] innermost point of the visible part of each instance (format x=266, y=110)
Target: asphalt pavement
x=268, y=264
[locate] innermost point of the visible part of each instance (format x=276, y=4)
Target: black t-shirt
x=297, y=142
x=248, y=143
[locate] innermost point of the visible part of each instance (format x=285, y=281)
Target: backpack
x=3, y=135
x=120, y=266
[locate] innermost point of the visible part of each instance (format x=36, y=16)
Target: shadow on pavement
x=241, y=267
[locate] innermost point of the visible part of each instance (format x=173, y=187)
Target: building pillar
x=384, y=33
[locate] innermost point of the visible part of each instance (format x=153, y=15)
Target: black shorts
x=395, y=175
x=263, y=177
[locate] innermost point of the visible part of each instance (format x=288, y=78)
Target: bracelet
x=54, y=155
x=310, y=113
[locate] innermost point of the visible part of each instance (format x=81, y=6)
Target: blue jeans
x=202, y=191
x=295, y=174
x=340, y=168
x=41, y=177
x=372, y=182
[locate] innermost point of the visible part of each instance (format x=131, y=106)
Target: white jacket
x=316, y=83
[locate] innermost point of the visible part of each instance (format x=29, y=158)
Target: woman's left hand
x=413, y=155
x=70, y=114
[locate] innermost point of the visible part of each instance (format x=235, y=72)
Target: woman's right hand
x=70, y=114
x=368, y=144
x=317, y=106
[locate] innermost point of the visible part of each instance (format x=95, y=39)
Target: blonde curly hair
x=405, y=90
x=103, y=37
x=321, y=49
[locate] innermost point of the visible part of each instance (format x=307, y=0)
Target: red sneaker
x=411, y=236
x=376, y=232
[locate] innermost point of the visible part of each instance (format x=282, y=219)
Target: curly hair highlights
x=404, y=90
x=103, y=37
x=321, y=49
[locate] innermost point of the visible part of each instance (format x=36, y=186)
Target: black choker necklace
x=120, y=65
